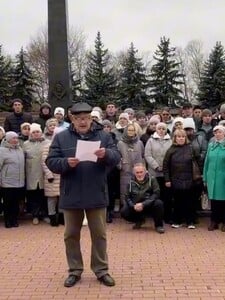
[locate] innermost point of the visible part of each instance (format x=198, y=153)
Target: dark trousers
x=11, y=199
x=184, y=206
x=167, y=199
x=113, y=182
x=97, y=227
x=36, y=201
x=155, y=210
x=218, y=211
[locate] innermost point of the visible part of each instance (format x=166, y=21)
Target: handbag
x=205, y=202
x=196, y=173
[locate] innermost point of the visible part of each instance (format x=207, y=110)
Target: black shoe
x=54, y=220
x=8, y=224
x=160, y=229
x=15, y=224
x=71, y=280
x=138, y=224
x=213, y=226
x=61, y=219
x=109, y=217
x=107, y=280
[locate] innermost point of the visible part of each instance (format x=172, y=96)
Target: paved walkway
x=181, y=264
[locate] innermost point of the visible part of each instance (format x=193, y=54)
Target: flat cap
x=80, y=107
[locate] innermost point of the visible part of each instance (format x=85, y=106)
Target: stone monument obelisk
x=58, y=67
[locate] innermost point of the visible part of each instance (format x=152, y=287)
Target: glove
x=50, y=180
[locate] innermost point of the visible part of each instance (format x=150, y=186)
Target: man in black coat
x=83, y=188
x=14, y=120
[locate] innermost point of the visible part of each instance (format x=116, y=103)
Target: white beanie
x=189, y=123
x=59, y=110
x=10, y=135
x=124, y=115
x=219, y=127
x=35, y=127
x=96, y=113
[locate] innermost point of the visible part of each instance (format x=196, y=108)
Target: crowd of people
x=154, y=177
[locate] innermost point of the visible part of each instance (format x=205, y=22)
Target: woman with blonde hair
x=178, y=172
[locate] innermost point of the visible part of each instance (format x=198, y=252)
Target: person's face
x=139, y=173
x=178, y=125
x=180, y=139
x=69, y=115
x=82, y=122
x=161, y=130
x=45, y=111
x=95, y=118
x=189, y=131
x=131, y=116
x=207, y=119
x=187, y=112
x=14, y=141
x=25, y=131
x=107, y=128
x=51, y=127
x=123, y=122
x=110, y=109
x=197, y=113
x=165, y=116
x=219, y=134
x=59, y=117
x=17, y=107
x=152, y=126
x=131, y=131
x=223, y=115
x=36, y=135
x=142, y=121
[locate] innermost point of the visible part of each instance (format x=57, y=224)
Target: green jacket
x=145, y=192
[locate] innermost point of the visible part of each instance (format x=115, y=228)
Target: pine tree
x=165, y=76
x=5, y=78
x=24, y=81
x=99, y=77
x=132, y=90
x=212, y=81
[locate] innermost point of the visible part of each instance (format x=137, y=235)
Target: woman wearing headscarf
x=214, y=177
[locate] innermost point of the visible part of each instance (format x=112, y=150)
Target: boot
x=109, y=217
x=54, y=220
x=212, y=226
x=61, y=219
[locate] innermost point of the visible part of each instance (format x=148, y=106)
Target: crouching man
x=142, y=200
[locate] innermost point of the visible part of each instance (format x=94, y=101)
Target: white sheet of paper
x=85, y=150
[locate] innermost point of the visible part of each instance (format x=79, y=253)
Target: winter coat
x=155, y=151
x=34, y=172
x=213, y=172
x=84, y=186
x=177, y=166
x=11, y=166
x=51, y=189
x=14, y=120
x=200, y=145
x=145, y=192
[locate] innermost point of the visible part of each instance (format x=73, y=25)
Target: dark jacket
x=14, y=120
x=145, y=192
x=177, y=166
x=82, y=187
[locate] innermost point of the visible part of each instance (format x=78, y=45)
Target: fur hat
x=59, y=110
x=189, y=123
x=154, y=119
x=10, y=135
x=219, y=127
x=161, y=124
x=35, y=127
x=129, y=111
x=124, y=115
x=107, y=123
x=222, y=122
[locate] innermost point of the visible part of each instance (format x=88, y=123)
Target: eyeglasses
x=80, y=119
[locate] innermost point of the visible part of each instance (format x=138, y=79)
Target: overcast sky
x=120, y=22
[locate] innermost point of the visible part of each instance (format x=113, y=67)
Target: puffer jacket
x=11, y=166
x=84, y=186
x=14, y=120
x=51, y=189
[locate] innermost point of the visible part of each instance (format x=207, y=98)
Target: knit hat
x=45, y=105
x=10, y=135
x=222, y=122
x=59, y=110
x=24, y=124
x=154, y=119
x=35, y=127
x=161, y=124
x=219, y=127
x=222, y=108
x=2, y=129
x=17, y=100
x=129, y=111
x=107, y=123
x=96, y=114
x=140, y=114
x=206, y=112
x=124, y=115
x=189, y=123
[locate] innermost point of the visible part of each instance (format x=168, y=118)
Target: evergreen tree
x=132, y=90
x=24, y=81
x=99, y=77
x=5, y=78
x=212, y=80
x=165, y=76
